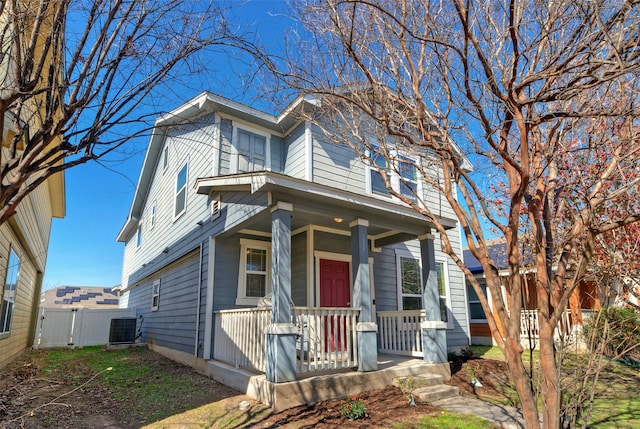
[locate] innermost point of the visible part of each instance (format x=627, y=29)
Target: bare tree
x=541, y=96
x=79, y=79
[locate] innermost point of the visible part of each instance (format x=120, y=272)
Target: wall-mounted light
x=338, y=219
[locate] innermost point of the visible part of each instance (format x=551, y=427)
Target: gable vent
x=215, y=206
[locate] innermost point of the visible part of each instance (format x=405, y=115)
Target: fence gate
x=76, y=327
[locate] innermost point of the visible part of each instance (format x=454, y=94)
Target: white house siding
x=173, y=325
x=295, y=153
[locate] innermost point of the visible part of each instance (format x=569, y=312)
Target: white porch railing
x=399, y=332
x=326, y=338
x=530, y=325
x=239, y=337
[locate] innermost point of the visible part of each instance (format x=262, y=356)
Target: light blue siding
x=295, y=153
x=299, y=269
x=173, y=325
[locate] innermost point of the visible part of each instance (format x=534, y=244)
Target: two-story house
x=24, y=238
x=255, y=241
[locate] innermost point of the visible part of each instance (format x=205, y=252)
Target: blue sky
x=83, y=250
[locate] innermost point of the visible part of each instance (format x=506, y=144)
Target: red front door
x=334, y=292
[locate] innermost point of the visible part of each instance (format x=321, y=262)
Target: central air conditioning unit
x=123, y=331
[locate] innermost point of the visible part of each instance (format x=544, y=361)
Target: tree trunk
x=521, y=380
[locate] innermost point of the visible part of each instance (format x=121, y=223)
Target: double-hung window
x=408, y=177
x=410, y=283
x=253, y=277
x=155, y=295
x=443, y=290
x=181, y=191
x=9, y=293
x=139, y=236
x=476, y=313
x=401, y=172
x=378, y=162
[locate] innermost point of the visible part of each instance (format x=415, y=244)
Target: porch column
x=281, y=333
x=434, y=330
x=366, y=329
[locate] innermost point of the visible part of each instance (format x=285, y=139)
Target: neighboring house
x=24, y=239
x=584, y=300
x=80, y=297
x=234, y=204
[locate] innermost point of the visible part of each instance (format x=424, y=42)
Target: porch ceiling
x=318, y=205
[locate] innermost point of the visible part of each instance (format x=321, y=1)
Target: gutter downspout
x=199, y=299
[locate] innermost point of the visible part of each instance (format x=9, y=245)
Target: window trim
x=393, y=170
x=245, y=243
x=238, y=126
x=469, y=301
x=408, y=255
x=152, y=216
x=177, y=191
x=165, y=158
x=447, y=287
x=155, y=294
x=12, y=254
x=139, y=235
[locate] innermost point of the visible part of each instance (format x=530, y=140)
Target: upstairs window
x=408, y=177
x=401, y=172
x=252, y=152
x=152, y=217
x=165, y=158
x=181, y=192
x=9, y=293
x=378, y=163
x=139, y=236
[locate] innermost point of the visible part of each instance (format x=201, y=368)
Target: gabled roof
x=206, y=102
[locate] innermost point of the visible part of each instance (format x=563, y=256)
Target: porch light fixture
x=338, y=219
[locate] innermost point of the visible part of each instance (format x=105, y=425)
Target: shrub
x=617, y=330
x=354, y=409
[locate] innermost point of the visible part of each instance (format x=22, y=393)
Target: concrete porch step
x=431, y=394
x=412, y=382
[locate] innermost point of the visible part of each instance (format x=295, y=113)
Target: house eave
x=273, y=182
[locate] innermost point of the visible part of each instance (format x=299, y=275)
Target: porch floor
x=315, y=387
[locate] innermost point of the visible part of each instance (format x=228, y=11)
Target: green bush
x=354, y=409
x=617, y=330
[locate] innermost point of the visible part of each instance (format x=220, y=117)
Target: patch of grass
x=446, y=420
x=141, y=385
x=487, y=352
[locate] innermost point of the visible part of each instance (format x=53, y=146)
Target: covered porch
x=334, y=331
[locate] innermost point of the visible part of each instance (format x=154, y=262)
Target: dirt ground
x=30, y=400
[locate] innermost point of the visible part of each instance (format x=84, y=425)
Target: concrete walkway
x=501, y=415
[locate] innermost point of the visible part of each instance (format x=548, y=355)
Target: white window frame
x=177, y=191
x=155, y=295
x=139, y=236
x=395, y=179
x=245, y=244
x=447, y=288
x=165, y=158
x=407, y=255
x=12, y=268
x=152, y=216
